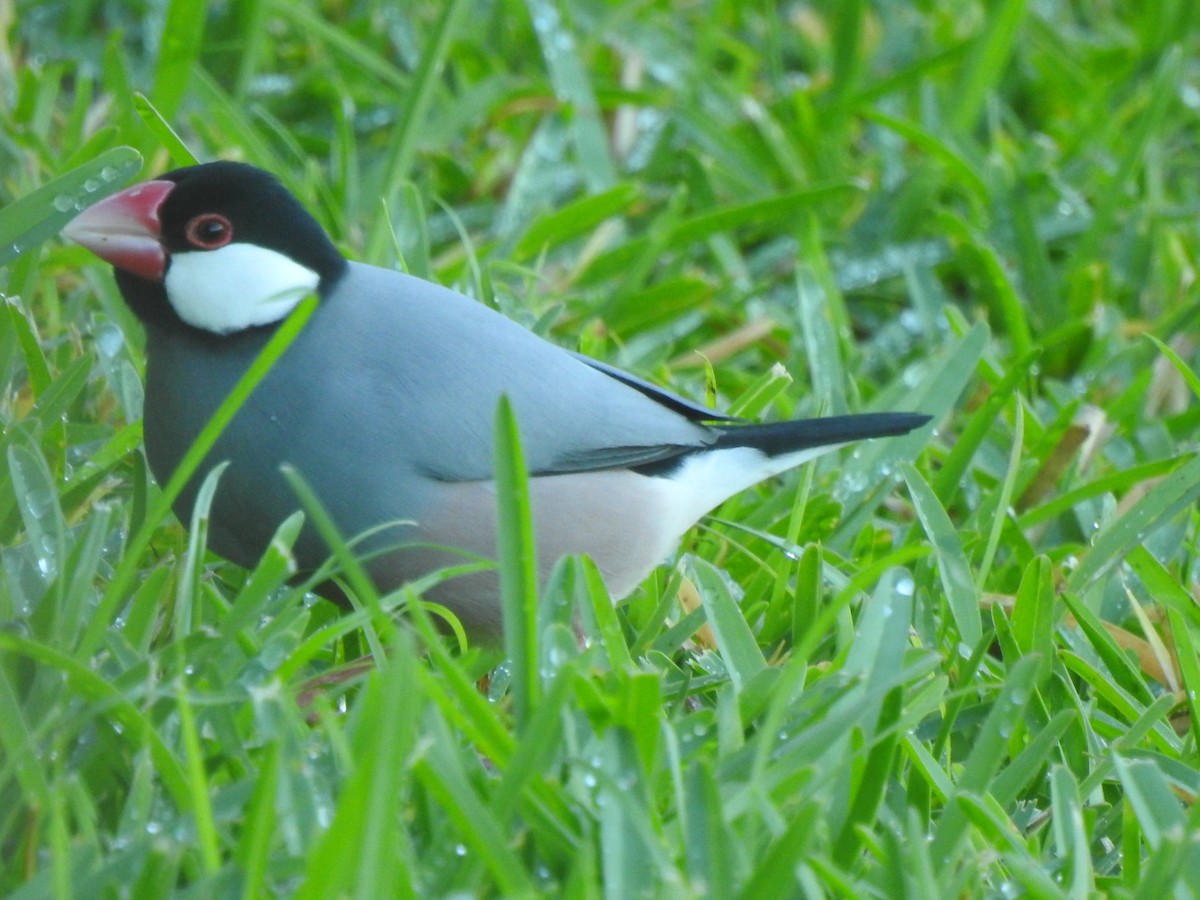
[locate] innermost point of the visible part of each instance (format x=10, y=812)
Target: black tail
x=778, y=438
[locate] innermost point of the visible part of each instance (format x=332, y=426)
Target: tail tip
x=903, y=422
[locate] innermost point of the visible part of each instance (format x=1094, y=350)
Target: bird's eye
x=209, y=231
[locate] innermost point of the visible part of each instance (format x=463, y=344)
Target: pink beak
x=124, y=229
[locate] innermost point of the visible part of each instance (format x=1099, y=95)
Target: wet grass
x=960, y=663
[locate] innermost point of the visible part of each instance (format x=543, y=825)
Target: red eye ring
x=208, y=231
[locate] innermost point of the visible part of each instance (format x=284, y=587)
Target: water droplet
x=904, y=587
x=64, y=202
x=854, y=483
x=109, y=173
x=460, y=849
x=92, y=185
x=109, y=342
x=910, y=321
x=39, y=502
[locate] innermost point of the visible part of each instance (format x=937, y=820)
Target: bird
x=385, y=401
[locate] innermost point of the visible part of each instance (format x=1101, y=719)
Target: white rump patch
x=707, y=479
x=236, y=286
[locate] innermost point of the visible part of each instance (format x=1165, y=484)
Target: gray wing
x=430, y=366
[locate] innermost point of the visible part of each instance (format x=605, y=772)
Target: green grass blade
x=881, y=633
x=200, y=805
x=1187, y=655
x=178, y=52
x=775, y=875
x=963, y=170
x=418, y=96
x=516, y=552
x=875, y=777
x=254, y=848
x=1026, y=765
x=20, y=758
x=1011, y=307
x=821, y=341
x=197, y=547
x=383, y=740
x=743, y=659
x=936, y=394
x=95, y=688
x=961, y=593
x=26, y=335
x=950, y=477
x=591, y=584
x=272, y=572
x=1185, y=371
x=464, y=706
x=1167, y=499
x=357, y=54
x=574, y=88
x=37, y=500
x=1004, y=497
x=42, y=213
x=1070, y=829
x=1154, y=803
x=167, y=136
x=1137, y=139
x=774, y=211
x=1033, y=610
x=573, y=220
x=986, y=64
x=708, y=840
x=988, y=752
x=475, y=824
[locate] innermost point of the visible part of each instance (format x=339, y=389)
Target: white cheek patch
x=235, y=287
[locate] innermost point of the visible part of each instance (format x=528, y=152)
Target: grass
x=959, y=663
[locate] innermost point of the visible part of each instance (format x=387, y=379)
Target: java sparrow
x=385, y=401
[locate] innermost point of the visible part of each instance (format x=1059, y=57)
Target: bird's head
x=221, y=246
